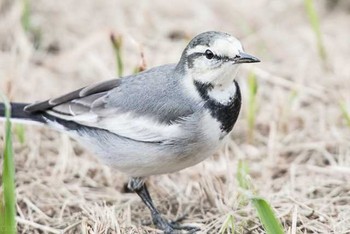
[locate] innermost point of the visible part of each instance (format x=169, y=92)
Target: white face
x=215, y=63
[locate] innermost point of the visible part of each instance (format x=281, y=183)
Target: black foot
x=137, y=185
x=171, y=227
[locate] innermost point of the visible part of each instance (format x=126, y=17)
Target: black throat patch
x=226, y=114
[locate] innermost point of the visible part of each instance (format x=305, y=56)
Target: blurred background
x=293, y=130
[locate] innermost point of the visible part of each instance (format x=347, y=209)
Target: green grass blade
x=117, y=45
x=345, y=112
x=315, y=25
x=25, y=18
x=267, y=216
x=264, y=210
x=8, y=178
x=242, y=175
x=20, y=132
x=228, y=226
x=33, y=33
x=253, y=89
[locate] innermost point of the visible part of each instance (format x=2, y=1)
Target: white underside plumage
x=140, y=159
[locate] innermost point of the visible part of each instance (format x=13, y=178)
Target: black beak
x=246, y=58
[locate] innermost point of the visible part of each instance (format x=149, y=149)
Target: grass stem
x=8, y=200
x=117, y=45
x=345, y=112
x=252, y=92
x=315, y=25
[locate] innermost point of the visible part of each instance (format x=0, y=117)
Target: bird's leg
x=138, y=185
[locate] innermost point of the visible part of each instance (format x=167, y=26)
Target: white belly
x=139, y=159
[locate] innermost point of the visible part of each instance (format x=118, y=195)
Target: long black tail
x=17, y=112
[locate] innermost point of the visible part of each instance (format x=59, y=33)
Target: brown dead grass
x=299, y=158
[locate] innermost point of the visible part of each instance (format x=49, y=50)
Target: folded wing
x=89, y=107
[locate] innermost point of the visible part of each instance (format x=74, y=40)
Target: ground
x=298, y=153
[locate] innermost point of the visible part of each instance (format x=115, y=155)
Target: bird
x=158, y=121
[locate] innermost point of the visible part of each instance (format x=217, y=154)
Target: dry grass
x=299, y=158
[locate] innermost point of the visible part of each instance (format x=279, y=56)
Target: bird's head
x=213, y=57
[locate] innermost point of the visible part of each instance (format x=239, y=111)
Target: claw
x=137, y=185
x=172, y=227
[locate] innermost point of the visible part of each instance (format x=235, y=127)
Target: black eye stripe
x=224, y=58
x=200, y=54
x=216, y=57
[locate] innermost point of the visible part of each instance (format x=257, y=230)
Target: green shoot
x=267, y=216
x=33, y=33
x=252, y=90
x=315, y=25
x=228, y=226
x=117, y=45
x=242, y=175
x=20, y=132
x=270, y=222
x=345, y=112
x=25, y=19
x=292, y=96
x=7, y=199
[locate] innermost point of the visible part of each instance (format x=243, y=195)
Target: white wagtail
x=159, y=121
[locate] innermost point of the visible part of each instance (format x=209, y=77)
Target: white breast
x=224, y=93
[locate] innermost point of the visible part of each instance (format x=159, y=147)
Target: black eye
x=209, y=54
